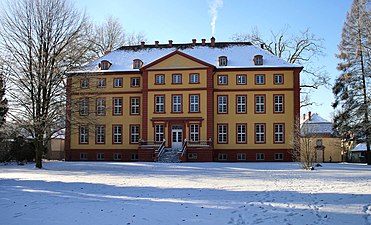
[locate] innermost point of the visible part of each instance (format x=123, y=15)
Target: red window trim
x=265, y=133
x=237, y=142
x=189, y=103
x=244, y=75
x=217, y=103
x=283, y=104
x=131, y=82
x=118, y=78
x=172, y=78
x=181, y=103
x=199, y=78
x=157, y=75
x=199, y=131
x=138, y=97
x=105, y=134
x=274, y=80
x=130, y=126
x=113, y=136
x=260, y=75
x=81, y=143
x=154, y=101
x=83, y=79
x=283, y=133
x=265, y=103
x=113, y=106
x=217, y=132
x=222, y=75
x=96, y=106
x=105, y=82
x=237, y=104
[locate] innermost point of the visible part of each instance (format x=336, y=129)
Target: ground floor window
x=134, y=156
x=260, y=156
x=134, y=134
x=117, y=156
x=83, y=156
x=278, y=156
x=100, y=156
x=222, y=156
x=241, y=156
x=192, y=155
x=194, y=132
x=159, y=133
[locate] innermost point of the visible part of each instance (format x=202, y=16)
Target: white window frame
x=279, y=133
x=194, y=78
x=194, y=103
x=135, y=82
x=84, y=106
x=101, y=106
x=241, y=133
x=117, y=106
x=222, y=104
x=241, y=156
x=222, y=156
x=194, y=134
x=159, y=132
x=117, y=156
x=117, y=134
x=241, y=79
x=100, y=134
x=260, y=104
x=135, y=106
x=278, y=78
x=222, y=133
x=134, y=134
x=159, y=79
x=177, y=78
x=160, y=104
x=117, y=82
x=259, y=133
x=278, y=103
x=84, y=135
x=241, y=104
x=84, y=83
x=223, y=79
x=83, y=156
x=259, y=79
x=177, y=103
x=101, y=83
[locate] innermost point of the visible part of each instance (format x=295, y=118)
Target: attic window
x=258, y=60
x=223, y=61
x=104, y=65
x=137, y=63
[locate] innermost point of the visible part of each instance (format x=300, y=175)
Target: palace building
x=201, y=101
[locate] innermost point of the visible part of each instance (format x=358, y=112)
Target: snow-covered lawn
x=89, y=193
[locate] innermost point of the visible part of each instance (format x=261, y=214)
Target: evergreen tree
x=352, y=87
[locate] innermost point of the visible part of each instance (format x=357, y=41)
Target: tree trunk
x=39, y=148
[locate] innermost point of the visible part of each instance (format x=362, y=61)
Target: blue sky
x=183, y=20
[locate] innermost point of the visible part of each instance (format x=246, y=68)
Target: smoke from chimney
x=213, y=11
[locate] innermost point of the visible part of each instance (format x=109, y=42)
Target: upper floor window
x=84, y=83
x=222, y=79
x=159, y=133
x=84, y=106
x=160, y=104
x=84, y=135
x=135, y=82
x=104, y=65
x=177, y=103
x=137, y=64
x=117, y=82
x=278, y=79
x=223, y=61
x=279, y=131
x=241, y=103
x=258, y=60
x=259, y=133
x=177, y=78
x=259, y=79
x=117, y=106
x=223, y=104
x=241, y=79
x=278, y=104
x=194, y=78
x=117, y=134
x=259, y=103
x=101, y=106
x=135, y=106
x=160, y=79
x=194, y=103
x=134, y=134
x=100, y=134
x=101, y=82
x=222, y=133
x=241, y=133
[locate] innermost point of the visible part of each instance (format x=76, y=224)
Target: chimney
x=107, y=52
x=203, y=41
x=193, y=42
x=142, y=44
x=212, y=41
x=170, y=43
x=156, y=43
x=309, y=115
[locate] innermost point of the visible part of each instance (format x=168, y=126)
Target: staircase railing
x=184, y=147
x=200, y=143
x=161, y=148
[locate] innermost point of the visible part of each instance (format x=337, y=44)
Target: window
x=137, y=63
x=101, y=83
x=134, y=106
x=159, y=79
x=222, y=79
x=117, y=82
x=177, y=78
x=117, y=134
x=241, y=79
x=278, y=104
x=83, y=156
x=194, y=135
x=319, y=143
x=177, y=104
x=278, y=79
x=100, y=135
x=100, y=156
x=117, y=156
x=135, y=82
x=279, y=131
x=259, y=79
x=278, y=156
x=101, y=106
x=259, y=133
x=192, y=155
x=84, y=83
x=241, y=103
x=223, y=61
x=104, y=65
x=222, y=156
x=223, y=104
x=117, y=106
x=241, y=133
x=84, y=106
x=194, y=78
x=159, y=133
x=159, y=104
x=194, y=103
x=84, y=135
x=134, y=156
x=259, y=103
x=222, y=133
x=260, y=156
x=134, y=134
x=258, y=60
x=241, y=156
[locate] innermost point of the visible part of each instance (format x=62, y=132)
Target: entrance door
x=176, y=137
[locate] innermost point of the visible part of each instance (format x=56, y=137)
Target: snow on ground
x=87, y=193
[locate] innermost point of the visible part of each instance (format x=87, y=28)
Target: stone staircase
x=169, y=156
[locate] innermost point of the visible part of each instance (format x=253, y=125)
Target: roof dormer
x=137, y=64
x=104, y=65
x=258, y=60
x=223, y=61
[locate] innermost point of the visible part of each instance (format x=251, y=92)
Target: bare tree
x=42, y=39
x=300, y=49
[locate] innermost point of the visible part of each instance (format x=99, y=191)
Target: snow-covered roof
x=239, y=54
x=359, y=147
x=316, y=124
